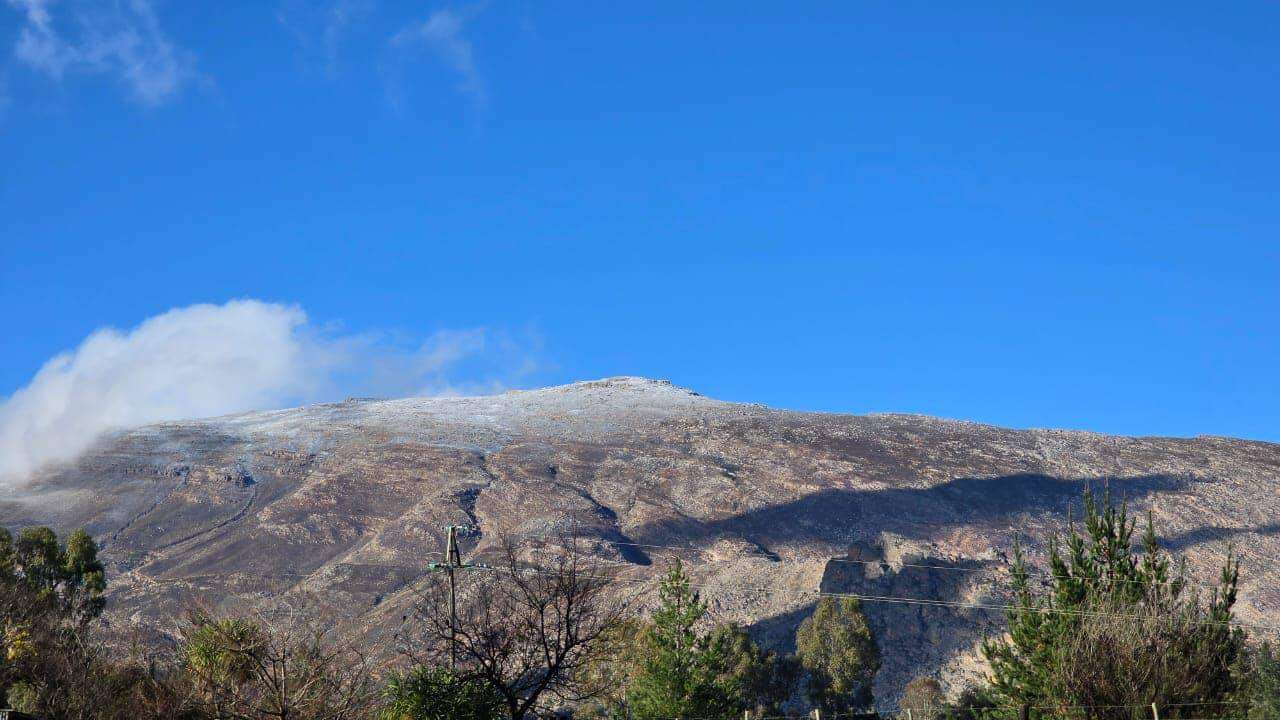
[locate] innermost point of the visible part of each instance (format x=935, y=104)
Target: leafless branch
x=530, y=630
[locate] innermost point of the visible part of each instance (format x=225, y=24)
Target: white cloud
x=442, y=34
x=122, y=38
x=207, y=360
x=322, y=28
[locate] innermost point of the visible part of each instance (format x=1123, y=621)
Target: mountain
x=345, y=502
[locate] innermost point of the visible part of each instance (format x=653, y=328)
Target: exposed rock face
x=767, y=507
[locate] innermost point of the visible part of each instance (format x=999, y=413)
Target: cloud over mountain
x=207, y=360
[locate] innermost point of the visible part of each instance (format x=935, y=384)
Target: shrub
x=426, y=693
x=1114, y=629
x=835, y=645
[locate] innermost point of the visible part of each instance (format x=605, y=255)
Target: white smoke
x=207, y=360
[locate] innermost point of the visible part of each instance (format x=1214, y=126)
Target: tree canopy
x=836, y=646
x=683, y=672
x=1112, y=630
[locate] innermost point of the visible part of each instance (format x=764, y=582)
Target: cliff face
x=767, y=507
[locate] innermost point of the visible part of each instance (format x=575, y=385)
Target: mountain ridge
x=636, y=381
x=768, y=507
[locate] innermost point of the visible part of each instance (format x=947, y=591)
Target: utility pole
x=453, y=562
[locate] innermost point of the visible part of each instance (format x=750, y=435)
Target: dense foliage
x=65, y=578
x=49, y=594
x=1258, y=693
x=1114, y=630
x=683, y=671
x=678, y=662
x=426, y=693
x=759, y=680
x=837, y=648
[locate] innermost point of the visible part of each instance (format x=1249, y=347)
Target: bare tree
x=531, y=631
x=280, y=663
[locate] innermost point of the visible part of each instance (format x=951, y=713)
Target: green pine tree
x=760, y=680
x=683, y=673
x=1114, y=630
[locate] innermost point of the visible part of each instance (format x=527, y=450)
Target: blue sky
x=1030, y=214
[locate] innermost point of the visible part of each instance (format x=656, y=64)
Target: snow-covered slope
x=767, y=507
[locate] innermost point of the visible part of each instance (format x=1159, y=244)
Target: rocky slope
x=767, y=507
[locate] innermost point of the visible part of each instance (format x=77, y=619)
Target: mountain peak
x=771, y=505
x=618, y=383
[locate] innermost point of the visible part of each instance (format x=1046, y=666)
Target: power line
x=879, y=563
x=912, y=601
x=1009, y=569
x=882, y=563
x=452, y=555
x=869, y=598
x=1062, y=611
